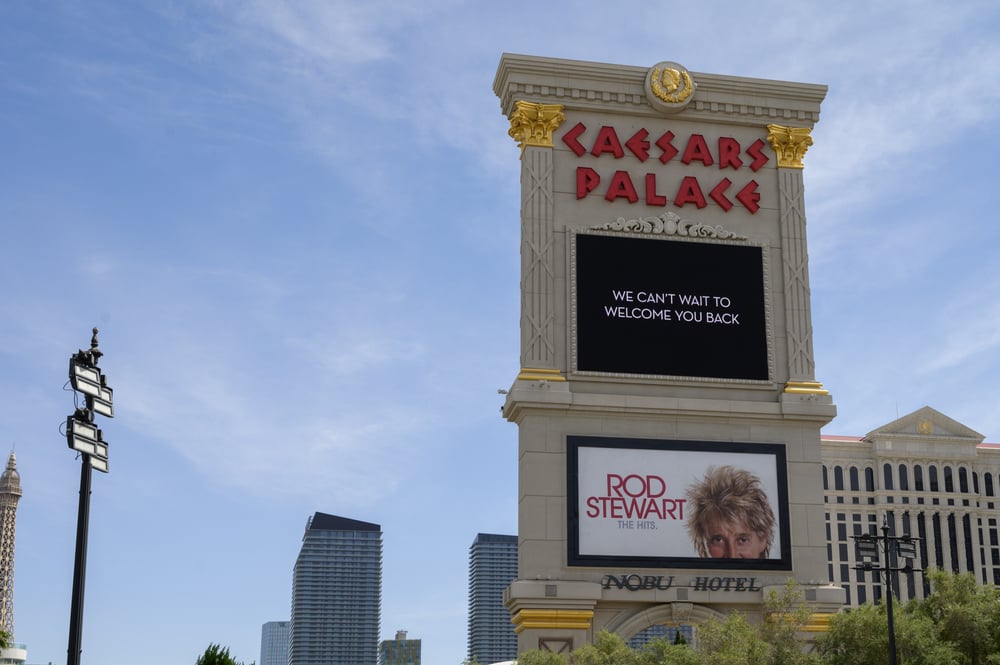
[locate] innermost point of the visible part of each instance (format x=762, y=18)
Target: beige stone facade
x=934, y=479
x=597, y=146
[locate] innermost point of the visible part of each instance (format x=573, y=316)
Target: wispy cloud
x=971, y=326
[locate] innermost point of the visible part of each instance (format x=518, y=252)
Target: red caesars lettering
x=695, y=151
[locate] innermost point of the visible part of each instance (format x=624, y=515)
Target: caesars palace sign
x=666, y=348
x=727, y=153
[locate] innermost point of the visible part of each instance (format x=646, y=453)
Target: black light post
x=85, y=438
x=866, y=549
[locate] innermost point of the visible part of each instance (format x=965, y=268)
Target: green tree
x=216, y=654
x=732, y=641
x=663, y=652
x=610, y=649
x=540, y=657
x=4, y=639
x=965, y=613
x=785, y=616
x=607, y=649
x=856, y=637
x=861, y=637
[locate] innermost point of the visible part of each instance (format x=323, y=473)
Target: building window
x=932, y=477
x=869, y=479
x=855, y=486
x=918, y=478
x=838, y=478
x=970, y=559
x=904, y=483
x=988, y=478
x=887, y=476
x=826, y=481
x=938, y=545
x=949, y=483
x=922, y=535
x=953, y=537
x=963, y=480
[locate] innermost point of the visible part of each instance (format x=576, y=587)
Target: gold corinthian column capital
x=533, y=124
x=789, y=144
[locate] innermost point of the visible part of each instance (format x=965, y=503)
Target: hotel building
x=926, y=476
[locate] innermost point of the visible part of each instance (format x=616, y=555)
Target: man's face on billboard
x=733, y=540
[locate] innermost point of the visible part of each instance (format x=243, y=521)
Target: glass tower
x=336, y=593
x=492, y=567
x=274, y=643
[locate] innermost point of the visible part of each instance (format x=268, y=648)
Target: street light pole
x=888, y=588
x=868, y=548
x=75, y=647
x=84, y=437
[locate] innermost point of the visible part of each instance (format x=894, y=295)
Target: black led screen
x=668, y=307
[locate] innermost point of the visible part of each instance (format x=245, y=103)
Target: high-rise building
x=336, y=593
x=400, y=651
x=274, y=643
x=492, y=567
x=10, y=494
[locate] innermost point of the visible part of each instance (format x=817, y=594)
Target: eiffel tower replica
x=10, y=494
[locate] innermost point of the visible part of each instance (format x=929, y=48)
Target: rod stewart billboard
x=653, y=306
x=677, y=504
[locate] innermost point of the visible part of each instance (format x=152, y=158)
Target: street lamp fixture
x=86, y=378
x=84, y=438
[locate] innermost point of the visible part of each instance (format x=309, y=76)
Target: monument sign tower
x=667, y=407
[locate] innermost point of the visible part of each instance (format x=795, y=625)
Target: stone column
x=532, y=126
x=790, y=145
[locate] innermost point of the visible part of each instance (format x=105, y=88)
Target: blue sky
x=296, y=225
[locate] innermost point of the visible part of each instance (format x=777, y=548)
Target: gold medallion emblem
x=669, y=86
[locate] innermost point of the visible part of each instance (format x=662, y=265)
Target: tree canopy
x=216, y=654
x=957, y=624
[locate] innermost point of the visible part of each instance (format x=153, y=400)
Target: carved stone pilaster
x=532, y=126
x=795, y=267
x=537, y=256
x=789, y=144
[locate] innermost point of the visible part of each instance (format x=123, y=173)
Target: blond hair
x=728, y=495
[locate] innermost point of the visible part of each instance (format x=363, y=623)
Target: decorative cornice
x=805, y=388
x=608, y=88
x=669, y=224
x=552, y=619
x=534, y=124
x=539, y=374
x=789, y=144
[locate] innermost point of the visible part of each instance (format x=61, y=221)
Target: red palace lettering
x=728, y=153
